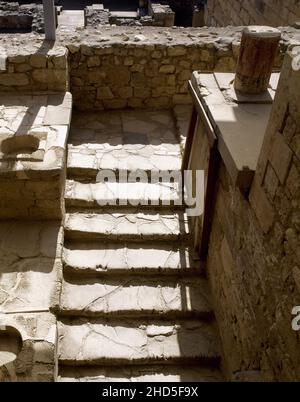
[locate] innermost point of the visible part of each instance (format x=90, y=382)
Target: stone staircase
x=135, y=303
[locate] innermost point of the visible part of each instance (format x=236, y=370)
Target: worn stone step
x=113, y=342
x=142, y=373
x=136, y=297
x=82, y=171
x=79, y=194
x=90, y=258
x=127, y=225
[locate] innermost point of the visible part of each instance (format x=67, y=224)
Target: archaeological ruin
x=150, y=191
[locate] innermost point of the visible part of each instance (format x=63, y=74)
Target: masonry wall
x=254, y=251
x=252, y=12
x=44, y=69
x=139, y=76
x=153, y=74
x=117, y=68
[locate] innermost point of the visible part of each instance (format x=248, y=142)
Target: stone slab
x=126, y=225
x=135, y=296
x=79, y=194
x=240, y=127
x=83, y=342
x=117, y=258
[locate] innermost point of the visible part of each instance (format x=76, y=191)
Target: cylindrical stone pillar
x=259, y=46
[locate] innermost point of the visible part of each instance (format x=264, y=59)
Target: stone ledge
x=240, y=124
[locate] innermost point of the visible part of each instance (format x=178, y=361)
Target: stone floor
x=133, y=293
x=127, y=140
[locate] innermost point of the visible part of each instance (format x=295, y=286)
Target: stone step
x=127, y=225
x=114, y=342
x=87, y=195
x=98, y=258
x=84, y=173
x=147, y=373
x=136, y=297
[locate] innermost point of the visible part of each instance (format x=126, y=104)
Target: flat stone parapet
x=238, y=120
x=33, y=136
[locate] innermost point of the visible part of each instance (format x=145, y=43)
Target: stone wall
x=149, y=69
x=252, y=12
x=118, y=67
x=25, y=17
x=38, y=69
x=253, y=261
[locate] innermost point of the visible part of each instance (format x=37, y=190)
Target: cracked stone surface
x=30, y=263
x=37, y=113
x=133, y=290
x=33, y=136
x=95, y=341
x=127, y=225
x=93, y=194
x=35, y=360
x=84, y=258
x=119, y=141
x=139, y=374
x=134, y=296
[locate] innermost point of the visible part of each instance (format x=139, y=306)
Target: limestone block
x=167, y=69
x=19, y=79
x=93, y=61
x=262, y=207
x=104, y=93
x=38, y=61
x=280, y=157
x=176, y=51
x=22, y=68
